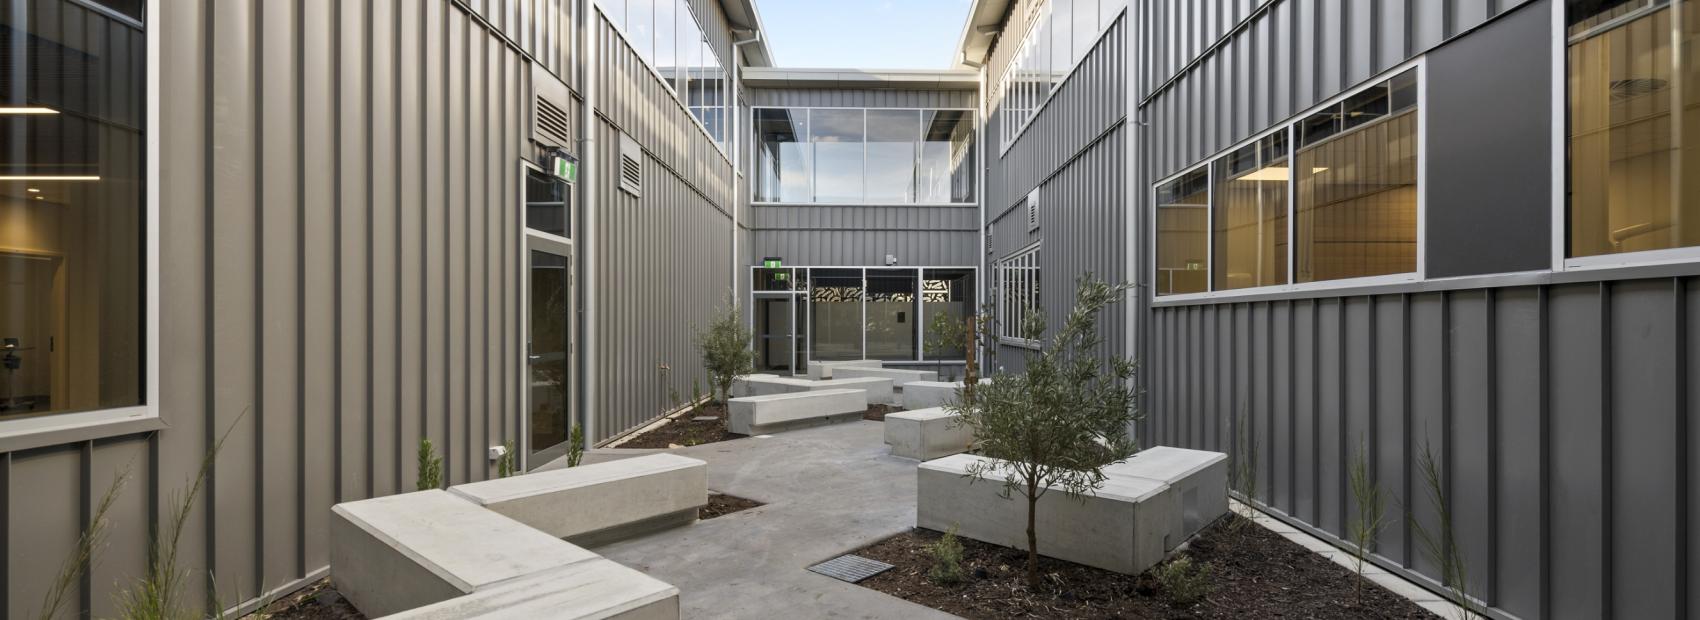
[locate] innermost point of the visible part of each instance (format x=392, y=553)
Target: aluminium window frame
x=755, y=145
x=1030, y=287
x=619, y=28
x=806, y=295
x=1013, y=131
x=1290, y=124
x=60, y=428
x=1560, y=221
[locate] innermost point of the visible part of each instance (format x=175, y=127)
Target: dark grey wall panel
x=861, y=98
x=829, y=246
x=1489, y=137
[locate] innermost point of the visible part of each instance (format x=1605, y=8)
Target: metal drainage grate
x=851, y=568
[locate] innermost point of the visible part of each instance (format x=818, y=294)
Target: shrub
x=947, y=560
x=1059, y=423
x=575, y=445
x=1184, y=583
x=1441, y=545
x=430, y=467
x=725, y=348
x=1368, y=514
x=505, y=464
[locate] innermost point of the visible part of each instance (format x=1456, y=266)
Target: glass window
x=1634, y=185
x=1357, y=191
x=640, y=25
x=667, y=41
x=547, y=201
x=1183, y=207
x=72, y=215
x=947, y=157
x=835, y=314
x=948, y=293
x=1085, y=27
x=1018, y=290
x=894, y=137
x=615, y=10
x=782, y=158
x=891, y=327
x=1250, y=215
x=689, y=51
x=837, y=139
x=1062, y=44
x=774, y=279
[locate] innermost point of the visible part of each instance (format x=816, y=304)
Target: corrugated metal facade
x=1557, y=405
x=858, y=235
x=340, y=275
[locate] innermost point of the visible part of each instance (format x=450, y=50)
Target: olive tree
x=1057, y=424
x=725, y=348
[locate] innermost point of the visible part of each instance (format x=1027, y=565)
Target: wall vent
x=1033, y=210
x=551, y=124
x=631, y=165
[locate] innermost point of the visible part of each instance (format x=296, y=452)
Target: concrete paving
x=828, y=490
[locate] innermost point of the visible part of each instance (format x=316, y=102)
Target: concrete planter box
x=824, y=370
x=1199, y=479
x=1122, y=527
x=879, y=389
x=597, y=588
x=899, y=377
x=391, y=554
x=927, y=394
x=926, y=434
x=772, y=413
x=599, y=503
x=741, y=385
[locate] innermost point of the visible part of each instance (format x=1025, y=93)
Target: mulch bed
x=876, y=412
x=315, y=602
x=1255, y=573
x=684, y=431
x=721, y=504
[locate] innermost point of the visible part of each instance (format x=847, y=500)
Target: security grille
x=851, y=568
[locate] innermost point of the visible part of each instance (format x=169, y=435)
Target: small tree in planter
x=1060, y=422
x=725, y=348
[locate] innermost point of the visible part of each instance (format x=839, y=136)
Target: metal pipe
x=586, y=244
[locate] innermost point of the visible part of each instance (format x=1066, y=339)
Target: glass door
x=549, y=339
x=775, y=333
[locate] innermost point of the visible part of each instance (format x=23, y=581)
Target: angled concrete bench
x=772, y=413
x=825, y=370
x=741, y=385
x=397, y=553
x=595, y=588
x=926, y=434
x=927, y=394
x=1122, y=526
x=900, y=377
x=599, y=503
x=879, y=389
x=1199, y=479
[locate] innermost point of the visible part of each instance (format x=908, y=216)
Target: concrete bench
x=396, y=553
x=900, y=377
x=824, y=370
x=741, y=385
x=596, y=588
x=772, y=413
x=926, y=434
x=1199, y=479
x=879, y=389
x=1122, y=526
x=599, y=503
x=926, y=394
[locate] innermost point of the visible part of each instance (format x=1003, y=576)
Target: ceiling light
x=50, y=178
x=41, y=198
x=27, y=110
x=32, y=190
x=1272, y=173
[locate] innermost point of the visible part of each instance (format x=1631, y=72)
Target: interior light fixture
x=33, y=190
x=27, y=110
x=1273, y=173
x=49, y=178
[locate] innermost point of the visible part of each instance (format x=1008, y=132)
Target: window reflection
x=1183, y=208
x=893, y=137
x=1250, y=215
x=1357, y=187
x=857, y=156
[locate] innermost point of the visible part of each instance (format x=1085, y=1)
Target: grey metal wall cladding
x=544, y=29
x=861, y=98
x=1559, y=415
x=1492, y=143
x=1223, y=70
x=339, y=247
x=633, y=98
x=866, y=247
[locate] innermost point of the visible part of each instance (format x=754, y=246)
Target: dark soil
x=315, y=602
x=876, y=412
x=684, y=431
x=721, y=504
x=1255, y=573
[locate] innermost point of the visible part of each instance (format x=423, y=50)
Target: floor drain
x=851, y=568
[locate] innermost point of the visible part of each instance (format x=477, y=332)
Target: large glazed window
x=1183, y=221
x=891, y=325
x=1626, y=145
x=1249, y=220
x=1356, y=185
x=835, y=311
x=667, y=35
x=72, y=212
x=1057, y=36
x=864, y=156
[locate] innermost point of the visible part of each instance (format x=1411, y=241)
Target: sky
x=863, y=34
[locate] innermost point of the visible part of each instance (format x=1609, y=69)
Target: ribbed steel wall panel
x=860, y=98
x=543, y=29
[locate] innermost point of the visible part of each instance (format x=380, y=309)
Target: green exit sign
x=566, y=168
x=771, y=262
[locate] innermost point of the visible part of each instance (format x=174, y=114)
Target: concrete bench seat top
x=499, y=490
x=597, y=588
x=823, y=370
x=1166, y=463
x=899, y=376
x=1121, y=488
x=760, y=415
x=458, y=541
x=922, y=415
x=599, y=502
x=784, y=396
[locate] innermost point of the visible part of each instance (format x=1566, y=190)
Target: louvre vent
x=551, y=124
x=1033, y=210
x=631, y=166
